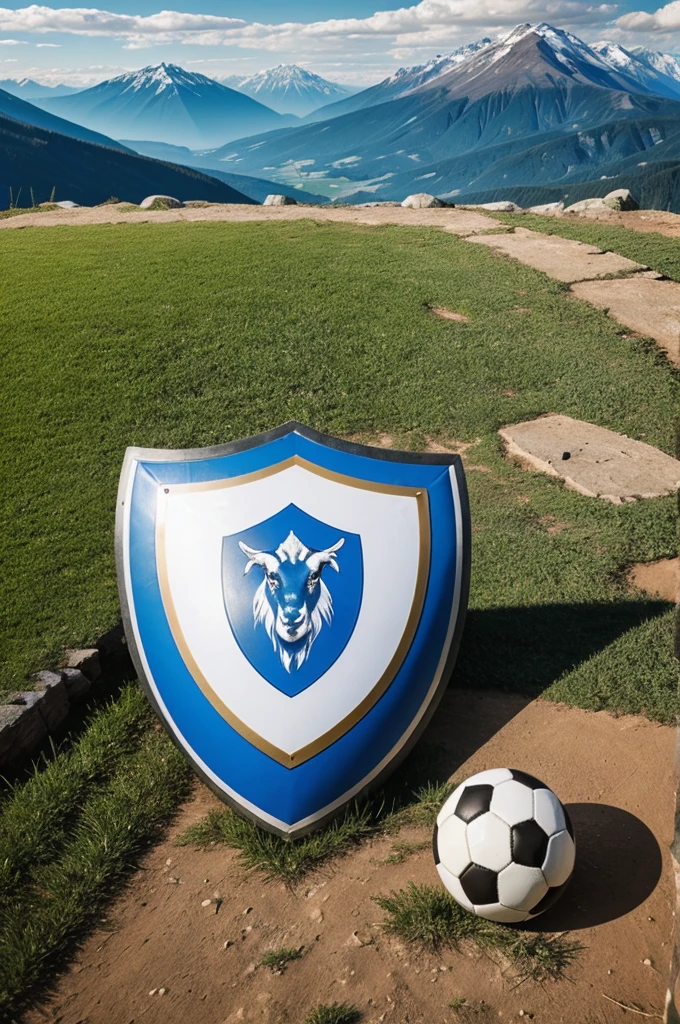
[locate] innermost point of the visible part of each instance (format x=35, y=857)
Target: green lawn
x=184, y=335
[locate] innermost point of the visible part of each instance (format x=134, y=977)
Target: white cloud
x=48, y=46
x=665, y=19
x=12, y=42
x=429, y=22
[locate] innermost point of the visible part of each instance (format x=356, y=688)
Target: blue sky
x=355, y=41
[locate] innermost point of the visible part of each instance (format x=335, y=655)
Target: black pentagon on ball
x=435, y=848
x=527, y=780
x=529, y=844
x=474, y=800
x=550, y=897
x=480, y=885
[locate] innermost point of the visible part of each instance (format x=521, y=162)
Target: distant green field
x=192, y=334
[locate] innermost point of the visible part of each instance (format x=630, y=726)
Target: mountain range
x=538, y=107
x=165, y=103
x=29, y=90
x=290, y=89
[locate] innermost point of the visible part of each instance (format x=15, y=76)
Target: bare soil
x=459, y=222
x=660, y=578
x=614, y=774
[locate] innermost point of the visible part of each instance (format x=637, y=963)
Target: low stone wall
x=29, y=717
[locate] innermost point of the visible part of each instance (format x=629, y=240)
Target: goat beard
x=293, y=655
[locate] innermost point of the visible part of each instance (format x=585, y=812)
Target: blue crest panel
x=267, y=652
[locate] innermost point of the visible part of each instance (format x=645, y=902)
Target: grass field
x=185, y=335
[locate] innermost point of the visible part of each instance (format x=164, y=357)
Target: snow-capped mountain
x=535, y=107
x=665, y=63
x=636, y=65
x=403, y=80
x=165, y=103
x=290, y=89
x=29, y=90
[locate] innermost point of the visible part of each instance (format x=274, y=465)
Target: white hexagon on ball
x=453, y=886
x=520, y=887
x=559, y=859
x=548, y=811
x=452, y=844
x=513, y=802
x=489, y=842
x=504, y=915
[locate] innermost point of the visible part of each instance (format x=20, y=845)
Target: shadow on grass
x=524, y=650
x=618, y=865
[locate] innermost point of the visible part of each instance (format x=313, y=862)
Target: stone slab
x=87, y=660
x=648, y=306
x=22, y=727
x=77, y=684
x=562, y=258
x=54, y=705
x=593, y=460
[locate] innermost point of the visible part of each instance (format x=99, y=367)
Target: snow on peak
x=161, y=77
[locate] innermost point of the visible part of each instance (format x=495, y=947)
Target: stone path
x=562, y=258
x=592, y=460
x=648, y=306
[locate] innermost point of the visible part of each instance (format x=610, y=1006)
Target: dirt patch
x=447, y=314
x=592, y=460
x=562, y=258
x=660, y=578
x=649, y=307
x=458, y=222
x=616, y=776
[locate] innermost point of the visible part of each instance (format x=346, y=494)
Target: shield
x=293, y=604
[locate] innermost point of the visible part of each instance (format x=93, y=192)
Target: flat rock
x=561, y=258
x=503, y=206
x=650, y=307
x=276, y=200
x=547, y=209
x=67, y=204
x=660, y=578
x=588, y=204
x=22, y=727
x=170, y=202
x=87, y=660
x=593, y=460
x=53, y=705
x=77, y=684
x=423, y=201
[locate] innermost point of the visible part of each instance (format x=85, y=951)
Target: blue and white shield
x=293, y=604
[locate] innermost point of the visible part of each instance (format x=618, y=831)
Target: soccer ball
x=504, y=845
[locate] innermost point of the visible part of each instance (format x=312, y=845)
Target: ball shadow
x=618, y=865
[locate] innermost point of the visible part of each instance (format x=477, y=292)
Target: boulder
x=66, y=204
x=584, y=205
x=547, y=209
x=423, y=201
x=621, y=199
x=276, y=200
x=160, y=203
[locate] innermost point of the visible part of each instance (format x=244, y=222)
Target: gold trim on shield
x=319, y=744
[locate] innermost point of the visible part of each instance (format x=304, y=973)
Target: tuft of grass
x=429, y=917
x=336, y=1013
x=423, y=809
x=278, y=959
x=401, y=851
x=72, y=832
x=280, y=858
